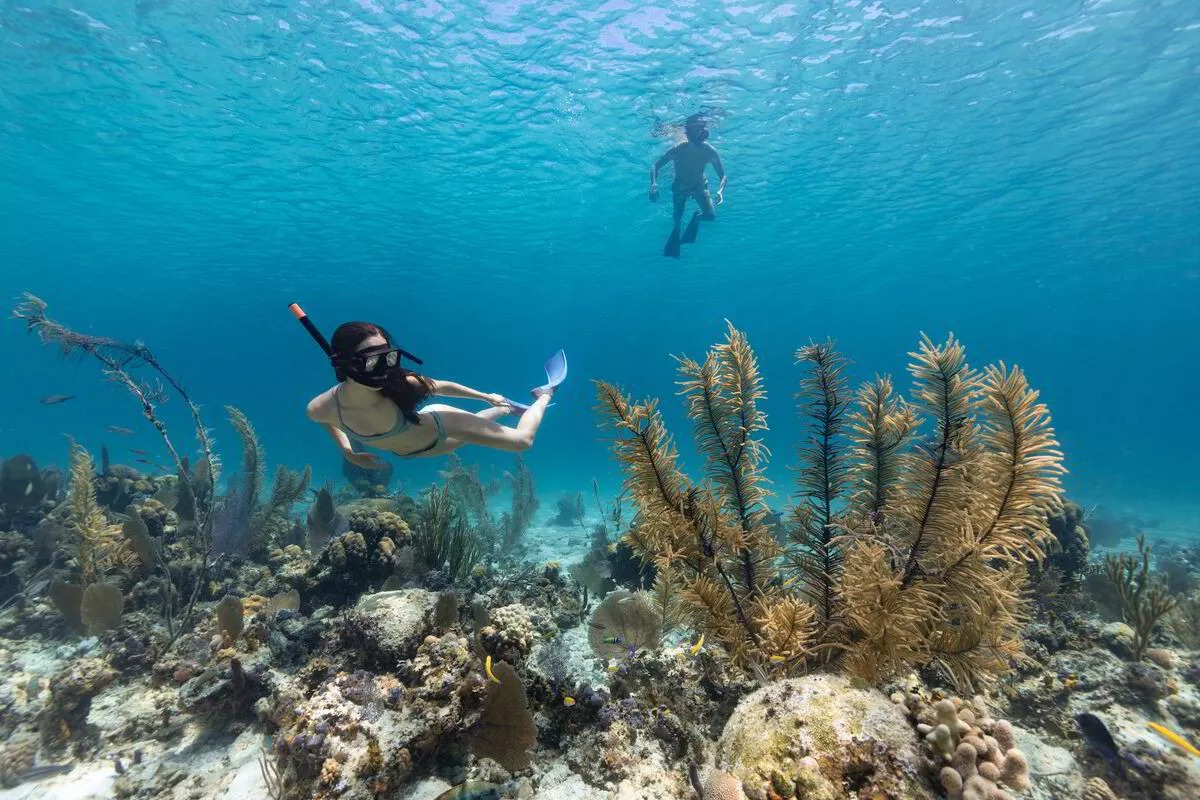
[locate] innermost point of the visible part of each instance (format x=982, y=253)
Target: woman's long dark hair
x=398, y=389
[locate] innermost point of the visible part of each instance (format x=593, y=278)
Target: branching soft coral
x=715, y=535
x=823, y=479
x=100, y=547
x=905, y=550
x=1144, y=599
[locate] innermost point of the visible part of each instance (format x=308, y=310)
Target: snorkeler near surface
x=690, y=158
x=380, y=404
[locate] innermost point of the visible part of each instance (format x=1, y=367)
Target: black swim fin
x=672, y=248
x=693, y=229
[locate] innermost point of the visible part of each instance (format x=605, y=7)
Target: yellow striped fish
x=1173, y=738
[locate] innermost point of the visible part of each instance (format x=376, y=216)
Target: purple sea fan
x=231, y=522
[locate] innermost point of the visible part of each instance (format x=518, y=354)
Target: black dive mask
x=372, y=367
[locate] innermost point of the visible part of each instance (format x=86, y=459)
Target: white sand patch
x=82, y=783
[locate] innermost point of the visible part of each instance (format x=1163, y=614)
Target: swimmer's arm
x=364, y=460
x=339, y=436
x=719, y=168
x=662, y=162
x=318, y=412
x=451, y=389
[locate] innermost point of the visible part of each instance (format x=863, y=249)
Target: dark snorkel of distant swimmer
x=381, y=405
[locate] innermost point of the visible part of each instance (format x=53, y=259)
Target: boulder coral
x=509, y=637
x=824, y=734
x=365, y=556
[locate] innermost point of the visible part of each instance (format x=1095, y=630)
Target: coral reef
x=176, y=635
x=1069, y=554
x=63, y=720
x=568, y=511
x=194, y=506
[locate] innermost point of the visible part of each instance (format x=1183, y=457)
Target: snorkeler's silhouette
x=690, y=158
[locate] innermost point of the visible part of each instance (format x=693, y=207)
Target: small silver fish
x=117, y=429
x=55, y=399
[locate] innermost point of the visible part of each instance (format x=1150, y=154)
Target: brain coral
x=858, y=739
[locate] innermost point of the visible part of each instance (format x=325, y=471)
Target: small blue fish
x=55, y=399
x=471, y=790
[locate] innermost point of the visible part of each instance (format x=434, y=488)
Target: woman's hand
x=496, y=399
x=364, y=460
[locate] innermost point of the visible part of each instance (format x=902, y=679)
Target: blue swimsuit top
x=401, y=425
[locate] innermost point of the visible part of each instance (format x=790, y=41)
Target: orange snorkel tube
x=298, y=312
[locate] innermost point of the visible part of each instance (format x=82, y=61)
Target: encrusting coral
x=906, y=550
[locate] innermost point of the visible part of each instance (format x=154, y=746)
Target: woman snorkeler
x=380, y=404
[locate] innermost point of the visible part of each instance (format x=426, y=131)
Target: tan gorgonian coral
x=100, y=547
x=913, y=520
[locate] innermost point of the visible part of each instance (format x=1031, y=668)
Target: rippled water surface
x=1026, y=174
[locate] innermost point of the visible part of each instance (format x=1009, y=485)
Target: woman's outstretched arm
x=451, y=389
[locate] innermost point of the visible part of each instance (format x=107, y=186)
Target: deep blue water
x=473, y=176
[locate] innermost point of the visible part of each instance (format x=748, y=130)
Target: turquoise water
x=473, y=176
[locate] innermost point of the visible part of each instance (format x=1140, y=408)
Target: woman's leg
x=463, y=427
x=494, y=412
x=452, y=443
